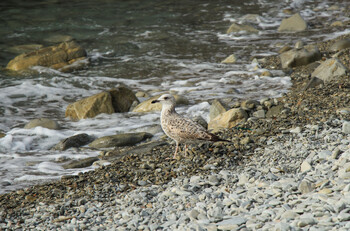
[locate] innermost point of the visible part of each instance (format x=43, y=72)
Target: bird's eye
x=166, y=98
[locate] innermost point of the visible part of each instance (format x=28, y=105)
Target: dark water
x=148, y=45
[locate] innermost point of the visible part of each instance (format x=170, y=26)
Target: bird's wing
x=185, y=128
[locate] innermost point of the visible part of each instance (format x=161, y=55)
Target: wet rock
x=293, y=24
x=201, y=121
x=216, y=108
x=249, y=104
x=122, y=99
x=55, y=57
x=259, y=113
x=148, y=106
x=91, y=106
x=2, y=135
x=300, y=57
x=228, y=119
x=59, y=38
x=266, y=74
x=73, y=142
x=25, y=48
x=337, y=23
x=329, y=70
x=119, y=140
x=42, y=122
x=84, y=163
x=340, y=45
x=230, y=59
x=241, y=27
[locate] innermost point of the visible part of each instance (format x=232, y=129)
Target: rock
x=337, y=23
x=73, y=142
x=148, y=106
x=230, y=59
x=259, y=113
x=346, y=127
x=284, y=49
x=216, y=108
x=274, y=111
x=241, y=27
x=25, y=48
x=84, y=163
x=120, y=140
x=254, y=18
x=266, y=74
x=2, y=135
x=329, y=70
x=306, y=221
x=300, y=57
x=228, y=119
x=293, y=24
x=42, y=122
x=91, y=106
x=299, y=44
x=122, y=99
x=314, y=82
x=249, y=104
x=59, y=38
x=231, y=223
x=305, y=166
x=306, y=186
x=54, y=57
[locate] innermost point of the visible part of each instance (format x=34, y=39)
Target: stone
x=73, y=142
x=259, y=113
x=122, y=99
x=274, y=111
x=231, y=223
x=306, y=186
x=314, y=82
x=216, y=108
x=2, y=135
x=201, y=121
x=300, y=57
x=42, y=122
x=228, y=119
x=230, y=59
x=119, y=140
x=249, y=104
x=305, y=166
x=337, y=23
x=241, y=27
x=147, y=106
x=294, y=23
x=84, y=163
x=346, y=127
x=54, y=57
x=25, y=48
x=91, y=106
x=306, y=221
x=266, y=74
x=330, y=70
x=289, y=215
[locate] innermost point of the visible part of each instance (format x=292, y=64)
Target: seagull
x=179, y=128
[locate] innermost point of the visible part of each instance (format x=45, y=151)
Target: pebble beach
x=287, y=167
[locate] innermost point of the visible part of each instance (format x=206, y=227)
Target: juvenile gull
x=179, y=128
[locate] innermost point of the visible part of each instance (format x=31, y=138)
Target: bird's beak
x=155, y=101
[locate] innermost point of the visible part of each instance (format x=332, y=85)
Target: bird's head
x=165, y=99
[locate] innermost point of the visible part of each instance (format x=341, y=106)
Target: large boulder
x=115, y=100
x=300, y=57
x=91, y=106
x=42, y=122
x=228, y=119
x=55, y=57
x=119, y=140
x=241, y=27
x=329, y=70
x=293, y=24
x=148, y=106
x=122, y=99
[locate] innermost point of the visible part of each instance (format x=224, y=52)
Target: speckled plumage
x=179, y=128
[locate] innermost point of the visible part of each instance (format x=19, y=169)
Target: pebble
x=310, y=191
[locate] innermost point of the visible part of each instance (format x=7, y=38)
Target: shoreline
x=267, y=157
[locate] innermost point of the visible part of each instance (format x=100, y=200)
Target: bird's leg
x=186, y=149
x=176, y=149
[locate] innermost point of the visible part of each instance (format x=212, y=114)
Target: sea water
x=152, y=46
